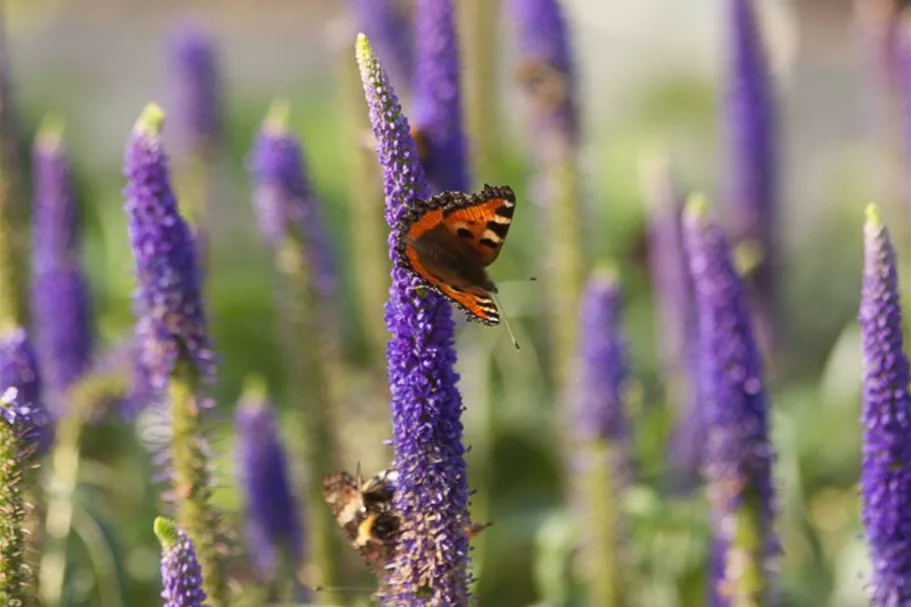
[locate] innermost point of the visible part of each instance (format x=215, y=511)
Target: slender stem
x=313, y=368
x=64, y=478
x=743, y=579
x=192, y=485
x=14, y=574
x=367, y=199
x=602, y=488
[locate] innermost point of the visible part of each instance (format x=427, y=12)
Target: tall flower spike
x=274, y=530
x=749, y=121
x=886, y=470
x=196, y=86
x=738, y=455
x=602, y=426
x=387, y=24
x=284, y=199
x=168, y=293
x=437, y=113
x=19, y=369
x=60, y=297
x=432, y=555
x=181, y=576
x=174, y=351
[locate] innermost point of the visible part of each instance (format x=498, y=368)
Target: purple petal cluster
x=437, y=105
x=273, y=523
x=181, y=575
x=60, y=298
x=168, y=296
x=600, y=410
x=19, y=372
x=432, y=556
x=886, y=416
x=284, y=199
x=196, y=87
x=547, y=69
x=388, y=25
x=749, y=121
x=738, y=454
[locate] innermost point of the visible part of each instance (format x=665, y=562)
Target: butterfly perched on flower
x=449, y=240
x=366, y=513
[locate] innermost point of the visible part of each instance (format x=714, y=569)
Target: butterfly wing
x=481, y=221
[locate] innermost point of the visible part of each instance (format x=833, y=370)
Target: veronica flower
x=387, y=24
x=738, y=455
x=21, y=429
x=181, y=575
x=432, y=555
x=602, y=428
x=273, y=524
x=60, y=297
x=886, y=470
x=175, y=352
x=437, y=112
x=285, y=202
x=750, y=130
x=196, y=86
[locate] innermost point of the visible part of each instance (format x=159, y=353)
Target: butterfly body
x=450, y=240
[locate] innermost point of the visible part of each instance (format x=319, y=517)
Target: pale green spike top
x=276, y=121
x=150, y=121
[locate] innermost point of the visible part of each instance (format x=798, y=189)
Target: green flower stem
x=191, y=481
x=744, y=575
x=368, y=236
x=314, y=368
x=62, y=486
x=14, y=573
x=602, y=489
x=479, y=22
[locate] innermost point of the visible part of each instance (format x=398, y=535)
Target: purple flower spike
x=285, y=202
x=168, y=294
x=750, y=147
x=603, y=366
x=273, y=525
x=196, y=87
x=437, y=113
x=387, y=24
x=181, y=575
x=60, y=296
x=547, y=70
x=432, y=556
x=19, y=372
x=886, y=470
x=738, y=455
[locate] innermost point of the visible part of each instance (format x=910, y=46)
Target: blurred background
x=649, y=77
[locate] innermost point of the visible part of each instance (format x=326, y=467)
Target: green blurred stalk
x=192, y=482
x=368, y=234
x=601, y=487
x=14, y=573
x=479, y=22
x=14, y=221
x=743, y=577
x=314, y=372
x=196, y=185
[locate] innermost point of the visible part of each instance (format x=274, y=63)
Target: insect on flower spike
x=512, y=335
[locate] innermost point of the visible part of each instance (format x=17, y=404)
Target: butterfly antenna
x=512, y=335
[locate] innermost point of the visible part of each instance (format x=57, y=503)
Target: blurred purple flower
x=168, y=294
x=196, y=87
x=547, y=70
x=886, y=470
x=284, y=199
x=437, y=111
x=750, y=130
x=432, y=555
x=600, y=408
x=273, y=524
x=60, y=296
x=181, y=575
x=19, y=371
x=738, y=454
x=387, y=24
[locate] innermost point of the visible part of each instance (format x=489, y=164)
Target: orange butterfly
x=449, y=240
